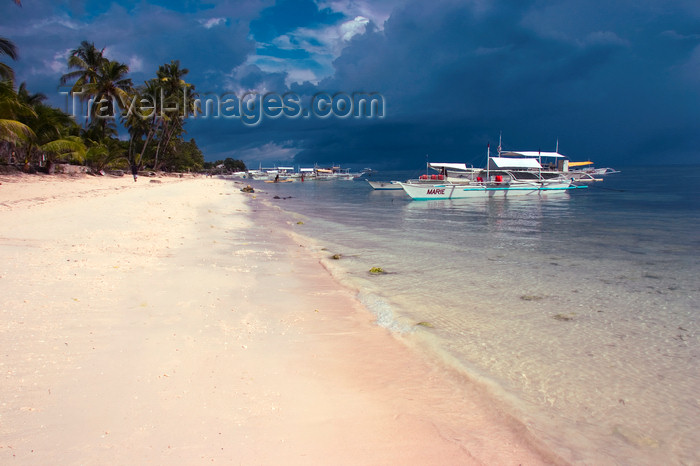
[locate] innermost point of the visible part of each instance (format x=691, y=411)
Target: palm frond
x=13, y=131
x=7, y=47
x=7, y=73
x=99, y=150
x=69, y=145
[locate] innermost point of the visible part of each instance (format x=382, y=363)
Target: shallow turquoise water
x=581, y=311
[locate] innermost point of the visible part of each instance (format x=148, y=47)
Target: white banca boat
x=503, y=176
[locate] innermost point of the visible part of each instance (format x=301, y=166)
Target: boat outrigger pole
x=488, y=160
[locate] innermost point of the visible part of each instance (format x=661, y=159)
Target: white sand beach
x=142, y=323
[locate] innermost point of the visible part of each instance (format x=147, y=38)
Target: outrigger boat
x=456, y=170
x=503, y=176
x=337, y=173
x=588, y=169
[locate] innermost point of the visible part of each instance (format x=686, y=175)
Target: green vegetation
x=376, y=270
x=226, y=165
x=35, y=135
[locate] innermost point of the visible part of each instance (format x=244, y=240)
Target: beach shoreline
x=157, y=322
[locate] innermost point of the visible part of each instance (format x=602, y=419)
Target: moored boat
x=385, y=185
x=484, y=189
x=336, y=173
x=587, y=168
x=503, y=176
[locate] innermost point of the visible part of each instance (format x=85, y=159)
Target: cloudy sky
x=617, y=82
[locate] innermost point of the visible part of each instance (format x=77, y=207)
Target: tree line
x=33, y=133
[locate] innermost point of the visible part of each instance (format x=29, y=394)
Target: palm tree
x=7, y=47
x=100, y=79
x=52, y=129
x=29, y=99
x=72, y=147
x=146, y=123
x=11, y=106
x=102, y=153
x=29, y=124
x=110, y=86
x=11, y=110
x=85, y=61
x=179, y=98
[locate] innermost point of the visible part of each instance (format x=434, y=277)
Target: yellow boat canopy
x=580, y=164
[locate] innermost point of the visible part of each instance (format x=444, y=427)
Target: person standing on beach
x=134, y=171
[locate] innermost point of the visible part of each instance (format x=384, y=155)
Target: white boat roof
x=285, y=168
x=453, y=166
x=507, y=162
x=530, y=153
x=306, y=169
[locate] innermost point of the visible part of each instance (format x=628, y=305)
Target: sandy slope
x=148, y=323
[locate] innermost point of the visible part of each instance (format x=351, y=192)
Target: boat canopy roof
x=306, y=169
x=530, y=153
x=452, y=166
x=507, y=162
x=580, y=164
x=285, y=168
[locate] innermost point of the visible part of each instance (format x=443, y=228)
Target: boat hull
x=420, y=192
x=385, y=185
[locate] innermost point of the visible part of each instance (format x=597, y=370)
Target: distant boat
x=603, y=171
x=385, y=185
x=587, y=168
x=554, y=164
x=336, y=173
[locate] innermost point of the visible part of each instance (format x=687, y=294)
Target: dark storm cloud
x=616, y=82
x=207, y=41
x=458, y=75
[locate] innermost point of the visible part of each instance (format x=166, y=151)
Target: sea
x=580, y=312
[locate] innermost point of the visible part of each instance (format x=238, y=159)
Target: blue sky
x=614, y=82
